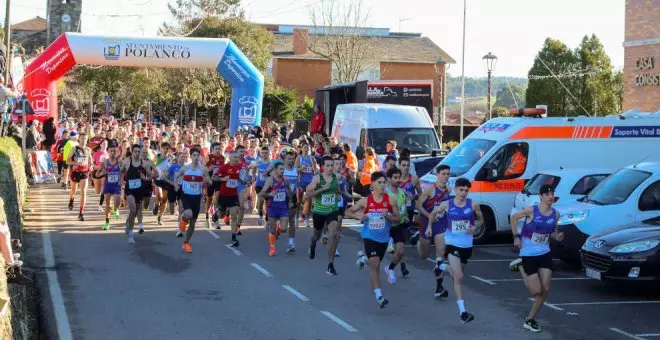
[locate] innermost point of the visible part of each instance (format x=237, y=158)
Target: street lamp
x=440, y=68
x=490, y=60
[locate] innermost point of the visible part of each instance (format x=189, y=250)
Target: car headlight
x=573, y=217
x=635, y=247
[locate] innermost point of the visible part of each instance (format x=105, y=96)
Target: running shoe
x=440, y=293
x=291, y=249
x=159, y=220
x=382, y=302
x=116, y=214
x=81, y=218
x=179, y=233
x=141, y=231
x=307, y=225
x=70, y=204
x=391, y=277
x=311, y=252
x=106, y=226
x=227, y=219
x=414, y=238
x=131, y=240
x=186, y=247
x=331, y=270
x=260, y=220
x=532, y=325
x=466, y=317
x=234, y=244
x=324, y=239
x=155, y=211
x=207, y=223
x=337, y=253
x=100, y=209
x=404, y=270
x=361, y=260
x=515, y=264
x=238, y=230
x=271, y=251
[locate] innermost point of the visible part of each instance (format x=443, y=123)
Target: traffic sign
x=108, y=99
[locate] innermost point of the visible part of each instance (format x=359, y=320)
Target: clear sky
x=514, y=30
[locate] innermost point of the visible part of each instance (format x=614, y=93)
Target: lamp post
x=440, y=70
x=463, y=72
x=490, y=60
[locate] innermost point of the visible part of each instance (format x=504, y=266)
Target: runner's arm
x=556, y=234
x=395, y=216
x=420, y=202
x=527, y=212
x=418, y=187
x=264, y=191
x=479, y=223
x=354, y=211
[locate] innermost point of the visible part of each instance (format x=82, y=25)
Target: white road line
x=295, y=293
x=606, y=303
x=553, y=279
x=214, y=234
x=484, y=280
x=632, y=336
x=339, y=321
x=550, y=305
x=234, y=250
x=493, y=260
x=61, y=317
x=261, y=269
x=650, y=334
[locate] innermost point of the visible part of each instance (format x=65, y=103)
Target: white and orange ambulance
x=502, y=154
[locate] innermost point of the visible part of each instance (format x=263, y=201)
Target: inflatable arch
x=70, y=49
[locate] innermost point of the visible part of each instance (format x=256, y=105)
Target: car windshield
x=533, y=186
x=617, y=187
x=417, y=140
x=466, y=155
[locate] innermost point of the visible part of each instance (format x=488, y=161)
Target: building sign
x=635, y=132
x=419, y=94
x=649, y=78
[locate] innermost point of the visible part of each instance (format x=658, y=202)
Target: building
x=298, y=61
x=63, y=16
x=641, y=67
x=30, y=34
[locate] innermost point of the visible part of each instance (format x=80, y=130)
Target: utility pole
x=463, y=74
x=7, y=40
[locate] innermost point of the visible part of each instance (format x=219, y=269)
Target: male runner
x=324, y=191
x=398, y=228
x=259, y=168
x=430, y=199
x=377, y=212
x=277, y=192
x=213, y=163
x=306, y=164
x=70, y=144
x=291, y=174
x=242, y=186
x=80, y=161
x=135, y=172
x=461, y=227
x=192, y=177
x=533, y=241
x=110, y=170
x=410, y=185
x=163, y=162
x=229, y=175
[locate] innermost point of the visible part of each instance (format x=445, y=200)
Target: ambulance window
x=650, y=199
x=508, y=162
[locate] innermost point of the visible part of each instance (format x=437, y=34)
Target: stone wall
x=57, y=9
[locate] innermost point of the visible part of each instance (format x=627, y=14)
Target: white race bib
x=279, y=197
x=232, y=183
x=192, y=188
x=135, y=183
x=376, y=221
x=460, y=227
x=307, y=169
x=541, y=239
x=81, y=159
x=408, y=204
x=328, y=199
x=113, y=178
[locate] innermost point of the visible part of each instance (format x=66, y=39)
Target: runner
x=431, y=198
x=306, y=165
x=148, y=185
x=229, y=175
x=174, y=195
x=163, y=163
x=99, y=157
x=339, y=168
x=377, y=212
x=461, y=226
x=410, y=185
x=192, y=177
x=291, y=174
x=80, y=161
x=398, y=228
x=533, y=242
x=277, y=193
x=242, y=187
x=66, y=151
x=110, y=171
x=324, y=190
x=260, y=168
x=251, y=157
x=213, y=163
x=135, y=172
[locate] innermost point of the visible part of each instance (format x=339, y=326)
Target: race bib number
x=81, y=159
x=232, y=183
x=376, y=221
x=460, y=227
x=541, y=239
x=192, y=188
x=409, y=204
x=279, y=197
x=307, y=169
x=113, y=178
x=292, y=186
x=135, y=183
x=328, y=199
x=402, y=208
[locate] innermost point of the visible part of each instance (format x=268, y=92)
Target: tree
x=510, y=97
x=617, y=89
x=596, y=94
x=499, y=111
x=342, y=42
x=185, y=10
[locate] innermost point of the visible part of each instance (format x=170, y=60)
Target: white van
x=372, y=125
x=631, y=194
x=502, y=154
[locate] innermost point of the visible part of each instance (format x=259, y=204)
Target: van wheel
x=484, y=234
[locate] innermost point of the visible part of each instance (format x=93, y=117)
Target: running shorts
x=398, y=233
x=373, y=248
x=275, y=212
x=226, y=202
x=436, y=228
x=531, y=264
x=319, y=220
x=78, y=176
x=463, y=253
x=191, y=202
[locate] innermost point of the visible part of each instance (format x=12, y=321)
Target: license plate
x=594, y=274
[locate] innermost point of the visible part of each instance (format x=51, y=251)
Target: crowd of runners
x=309, y=181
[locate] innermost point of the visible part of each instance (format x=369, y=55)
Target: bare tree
x=340, y=37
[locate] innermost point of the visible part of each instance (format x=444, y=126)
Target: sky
x=513, y=30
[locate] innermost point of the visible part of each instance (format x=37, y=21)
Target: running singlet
x=99, y=157
x=535, y=234
x=278, y=190
x=306, y=170
x=325, y=203
x=229, y=188
x=191, y=183
x=162, y=166
x=261, y=168
x=215, y=162
x=80, y=157
x=249, y=160
x=133, y=179
x=292, y=177
x=400, y=198
x=376, y=227
x=112, y=178
x=459, y=220
x=408, y=187
x=439, y=196
x=172, y=170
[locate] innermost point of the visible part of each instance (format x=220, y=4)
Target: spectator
x=318, y=121
x=13, y=265
x=370, y=166
x=335, y=149
x=33, y=137
x=5, y=94
x=351, y=159
x=49, y=134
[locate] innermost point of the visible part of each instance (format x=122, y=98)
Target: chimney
x=300, y=38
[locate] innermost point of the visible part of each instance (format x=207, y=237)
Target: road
x=96, y=286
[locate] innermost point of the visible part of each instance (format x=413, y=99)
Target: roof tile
x=34, y=24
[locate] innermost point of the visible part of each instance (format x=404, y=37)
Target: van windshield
x=617, y=187
x=417, y=140
x=466, y=155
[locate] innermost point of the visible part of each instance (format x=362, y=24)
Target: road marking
x=61, y=317
x=234, y=250
x=296, y=293
x=550, y=305
x=553, y=279
x=484, y=280
x=632, y=336
x=471, y=260
x=606, y=303
x=261, y=269
x=339, y=321
x=650, y=334
x=214, y=234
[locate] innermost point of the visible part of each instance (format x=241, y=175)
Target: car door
x=648, y=204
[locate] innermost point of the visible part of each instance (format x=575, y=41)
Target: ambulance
x=502, y=154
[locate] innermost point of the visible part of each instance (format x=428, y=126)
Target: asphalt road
x=96, y=286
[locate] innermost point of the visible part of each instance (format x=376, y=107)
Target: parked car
x=627, y=253
x=569, y=185
x=631, y=194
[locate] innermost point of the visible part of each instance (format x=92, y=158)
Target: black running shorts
x=373, y=248
x=531, y=264
x=463, y=253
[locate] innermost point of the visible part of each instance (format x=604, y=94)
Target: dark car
x=627, y=253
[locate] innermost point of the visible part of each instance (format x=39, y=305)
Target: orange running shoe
x=183, y=226
x=186, y=247
x=271, y=252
